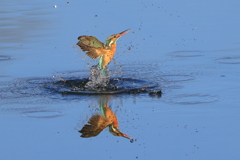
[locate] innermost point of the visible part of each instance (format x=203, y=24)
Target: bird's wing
x=96, y=124
x=92, y=45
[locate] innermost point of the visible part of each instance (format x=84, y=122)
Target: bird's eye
x=114, y=36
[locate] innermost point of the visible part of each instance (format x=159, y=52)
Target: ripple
x=174, y=87
x=229, y=60
x=42, y=114
x=25, y=90
x=176, y=78
x=4, y=58
x=186, y=53
x=190, y=99
x=116, y=86
x=44, y=90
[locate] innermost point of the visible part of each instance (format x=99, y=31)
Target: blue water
x=190, y=49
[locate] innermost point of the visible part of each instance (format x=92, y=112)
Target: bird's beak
x=128, y=137
x=123, y=33
x=125, y=136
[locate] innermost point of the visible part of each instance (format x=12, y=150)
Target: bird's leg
x=102, y=68
x=104, y=72
x=100, y=63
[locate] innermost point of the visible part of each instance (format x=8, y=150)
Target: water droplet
x=131, y=140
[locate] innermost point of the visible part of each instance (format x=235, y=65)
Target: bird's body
x=96, y=49
x=98, y=122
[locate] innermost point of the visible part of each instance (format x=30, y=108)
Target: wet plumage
x=96, y=49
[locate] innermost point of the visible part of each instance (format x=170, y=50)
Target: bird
x=98, y=122
x=96, y=49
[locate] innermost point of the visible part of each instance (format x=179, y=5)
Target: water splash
x=79, y=83
x=98, y=80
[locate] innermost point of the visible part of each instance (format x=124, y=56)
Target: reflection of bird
x=99, y=122
x=96, y=49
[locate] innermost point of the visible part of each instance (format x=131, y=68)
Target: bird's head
x=116, y=132
x=113, y=38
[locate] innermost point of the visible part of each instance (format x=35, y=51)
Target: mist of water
x=98, y=80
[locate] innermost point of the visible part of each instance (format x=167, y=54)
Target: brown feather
x=93, y=52
x=96, y=124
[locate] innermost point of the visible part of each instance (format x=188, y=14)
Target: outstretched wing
x=96, y=124
x=92, y=45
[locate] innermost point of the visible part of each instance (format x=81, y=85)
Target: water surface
x=190, y=49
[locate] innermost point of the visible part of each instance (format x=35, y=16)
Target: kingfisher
x=98, y=122
x=96, y=49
